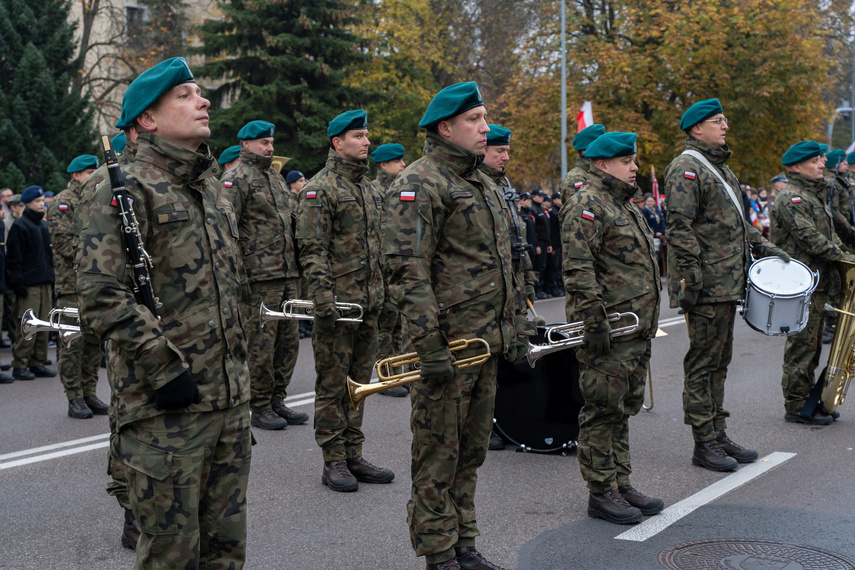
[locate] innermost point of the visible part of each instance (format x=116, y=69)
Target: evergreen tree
x=282, y=62
x=43, y=125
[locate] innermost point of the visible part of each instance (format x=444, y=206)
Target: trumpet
x=30, y=324
x=573, y=334
x=290, y=307
x=358, y=392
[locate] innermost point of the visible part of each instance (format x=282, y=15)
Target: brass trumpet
x=358, y=392
x=573, y=334
x=30, y=324
x=290, y=307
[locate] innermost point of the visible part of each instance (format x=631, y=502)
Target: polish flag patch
x=689, y=175
x=114, y=203
x=796, y=200
x=228, y=184
x=588, y=215
x=63, y=207
x=578, y=185
x=408, y=196
x=311, y=194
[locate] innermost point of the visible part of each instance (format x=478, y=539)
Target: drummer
x=802, y=225
x=610, y=266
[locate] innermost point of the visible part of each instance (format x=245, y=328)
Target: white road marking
x=656, y=524
x=672, y=321
x=47, y=452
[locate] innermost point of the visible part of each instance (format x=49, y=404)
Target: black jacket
x=29, y=258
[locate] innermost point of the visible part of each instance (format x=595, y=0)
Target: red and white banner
x=585, y=118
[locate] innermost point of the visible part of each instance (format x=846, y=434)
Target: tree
x=42, y=125
x=282, y=62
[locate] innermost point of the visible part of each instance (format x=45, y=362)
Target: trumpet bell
x=30, y=324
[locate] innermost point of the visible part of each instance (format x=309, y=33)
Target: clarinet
x=139, y=260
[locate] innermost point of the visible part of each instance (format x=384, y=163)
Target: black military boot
x=268, y=419
x=293, y=418
x=78, y=409
x=709, y=455
x=733, y=449
x=819, y=418
x=612, y=507
x=6, y=379
x=367, y=473
x=647, y=505
x=42, y=372
x=22, y=374
x=337, y=477
x=130, y=531
x=496, y=441
x=470, y=559
x=450, y=564
x=95, y=404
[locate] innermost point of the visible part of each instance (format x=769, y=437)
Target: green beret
x=822, y=148
x=800, y=152
x=498, y=136
x=835, y=157
x=587, y=135
x=700, y=111
x=348, y=121
x=613, y=145
x=150, y=86
x=386, y=152
x=229, y=154
x=450, y=102
x=118, y=143
x=256, y=130
x=82, y=162
x=850, y=158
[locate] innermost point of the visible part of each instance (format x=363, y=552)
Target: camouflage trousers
x=187, y=476
x=392, y=342
x=118, y=485
x=32, y=352
x=801, y=357
x=451, y=423
x=350, y=350
x=79, y=361
x=705, y=368
x=613, y=387
x=273, y=349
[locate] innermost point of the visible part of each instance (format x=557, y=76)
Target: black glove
x=688, y=299
x=783, y=255
x=388, y=316
x=439, y=370
x=436, y=362
x=21, y=292
x=179, y=393
x=325, y=318
x=599, y=342
x=517, y=350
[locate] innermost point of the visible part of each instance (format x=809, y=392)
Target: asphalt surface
x=54, y=512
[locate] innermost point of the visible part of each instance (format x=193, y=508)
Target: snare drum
x=777, y=296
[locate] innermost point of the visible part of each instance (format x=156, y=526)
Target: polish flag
x=585, y=118
x=850, y=148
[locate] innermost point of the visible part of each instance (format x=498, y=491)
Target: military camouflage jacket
x=189, y=230
x=609, y=261
x=60, y=218
x=260, y=202
x=709, y=242
x=383, y=181
x=837, y=196
x=575, y=178
x=95, y=180
x=338, y=235
x=447, y=245
x=802, y=225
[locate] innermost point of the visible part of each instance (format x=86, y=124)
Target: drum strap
x=702, y=159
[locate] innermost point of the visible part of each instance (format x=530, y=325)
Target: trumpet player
x=610, y=266
x=448, y=252
x=338, y=223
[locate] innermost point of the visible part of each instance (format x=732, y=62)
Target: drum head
x=771, y=275
x=538, y=408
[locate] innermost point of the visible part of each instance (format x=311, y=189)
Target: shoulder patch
x=408, y=196
x=588, y=215
x=689, y=175
x=228, y=184
x=311, y=194
x=796, y=200
x=63, y=206
x=578, y=185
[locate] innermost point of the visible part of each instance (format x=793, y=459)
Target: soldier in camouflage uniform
x=180, y=382
x=449, y=262
x=710, y=246
x=338, y=223
x=802, y=225
x=575, y=179
x=610, y=267
x=260, y=201
x=78, y=362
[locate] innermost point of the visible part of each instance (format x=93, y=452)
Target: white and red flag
x=585, y=118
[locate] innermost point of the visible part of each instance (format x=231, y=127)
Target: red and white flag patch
x=588, y=215
x=311, y=194
x=578, y=185
x=796, y=200
x=689, y=175
x=63, y=207
x=408, y=196
x=114, y=203
x=228, y=184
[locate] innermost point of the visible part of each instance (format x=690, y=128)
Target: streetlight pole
x=564, y=94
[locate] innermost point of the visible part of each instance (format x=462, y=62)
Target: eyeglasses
x=719, y=121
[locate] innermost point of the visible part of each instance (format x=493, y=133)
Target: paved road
x=54, y=512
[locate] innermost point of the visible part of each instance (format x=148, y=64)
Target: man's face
x=556, y=202
x=467, y=130
x=393, y=167
x=82, y=175
x=712, y=131
x=780, y=185
x=179, y=116
x=537, y=199
x=37, y=205
x=525, y=202
x=843, y=167
x=811, y=168
x=5, y=195
x=17, y=209
x=622, y=167
x=497, y=156
x=650, y=203
x=297, y=185
x=353, y=145
x=261, y=147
